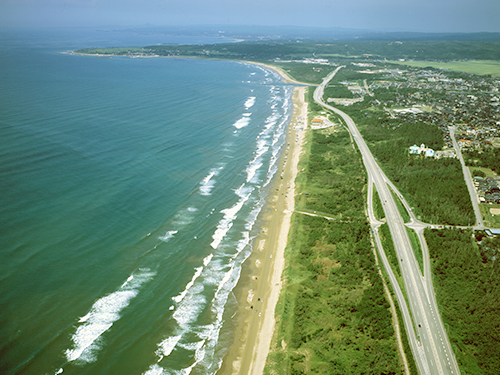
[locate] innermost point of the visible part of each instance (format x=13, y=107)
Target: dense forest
x=338, y=91
x=332, y=317
x=467, y=282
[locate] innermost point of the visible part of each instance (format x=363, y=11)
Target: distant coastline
x=275, y=69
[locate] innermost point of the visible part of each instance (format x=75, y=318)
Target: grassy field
x=490, y=220
x=480, y=67
x=488, y=172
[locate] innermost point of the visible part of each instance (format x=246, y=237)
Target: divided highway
x=428, y=339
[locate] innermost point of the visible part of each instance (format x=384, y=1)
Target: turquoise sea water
x=129, y=193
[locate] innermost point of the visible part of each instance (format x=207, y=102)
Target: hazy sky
x=392, y=15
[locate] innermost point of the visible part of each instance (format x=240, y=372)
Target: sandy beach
x=281, y=73
x=260, y=284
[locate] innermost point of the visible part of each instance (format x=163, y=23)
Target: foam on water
x=181, y=296
x=130, y=278
x=207, y=259
x=207, y=184
x=271, y=120
x=227, y=221
x=154, y=370
x=190, y=307
x=170, y=234
x=198, y=271
x=252, y=170
x=166, y=346
x=250, y=102
x=101, y=317
x=280, y=130
x=221, y=231
x=242, y=122
x=184, y=217
x=206, y=295
x=193, y=304
x=173, y=209
x=198, y=356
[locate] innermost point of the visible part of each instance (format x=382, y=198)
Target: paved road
x=468, y=181
x=428, y=339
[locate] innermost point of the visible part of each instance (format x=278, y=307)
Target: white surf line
x=102, y=315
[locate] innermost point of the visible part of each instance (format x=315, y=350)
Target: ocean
x=130, y=191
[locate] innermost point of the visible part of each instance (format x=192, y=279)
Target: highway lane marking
x=411, y=276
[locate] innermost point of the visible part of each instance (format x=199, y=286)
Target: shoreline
x=275, y=69
x=260, y=284
x=259, y=287
x=279, y=71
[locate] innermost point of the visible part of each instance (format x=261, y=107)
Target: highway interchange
x=428, y=339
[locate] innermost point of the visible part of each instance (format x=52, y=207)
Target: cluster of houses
x=477, y=116
x=488, y=189
x=306, y=60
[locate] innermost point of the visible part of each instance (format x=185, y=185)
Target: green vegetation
x=313, y=108
x=378, y=210
x=480, y=67
x=467, y=282
x=491, y=220
x=485, y=157
x=435, y=188
x=404, y=337
x=417, y=249
x=332, y=317
x=478, y=173
x=307, y=73
x=402, y=210
x=340, y=51
x=354, y=74
x=112, y=50
x=338, y=91
x=390, y=252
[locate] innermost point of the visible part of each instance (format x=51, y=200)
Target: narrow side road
x=468, y=181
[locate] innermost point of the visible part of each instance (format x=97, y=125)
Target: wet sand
x=260, y=284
